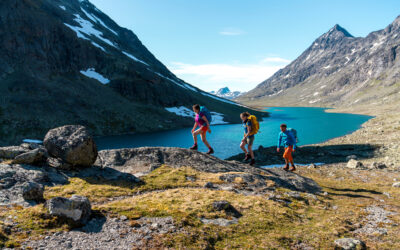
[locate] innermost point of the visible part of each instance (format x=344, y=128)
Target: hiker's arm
x=194, y=127
x=279, y=142
x=206, y=120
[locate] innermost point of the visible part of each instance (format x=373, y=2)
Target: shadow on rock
x=314, y=154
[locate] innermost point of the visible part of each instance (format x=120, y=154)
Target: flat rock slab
x=138, y=160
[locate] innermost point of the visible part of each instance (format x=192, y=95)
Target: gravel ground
x=106, y=233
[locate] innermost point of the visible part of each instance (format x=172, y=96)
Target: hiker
x=287, y=139
x=201, y=121
x=250, y=129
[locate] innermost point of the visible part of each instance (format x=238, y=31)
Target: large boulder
x=12, y=152
x=73, y=144
x=76, y=210
x=33, y=157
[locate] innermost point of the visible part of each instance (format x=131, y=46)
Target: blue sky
x=237, y=43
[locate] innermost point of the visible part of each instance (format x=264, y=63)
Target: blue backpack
x=206, y=113
x=294, y=133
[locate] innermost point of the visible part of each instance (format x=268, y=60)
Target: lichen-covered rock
x=355, y=164
x=32, y=191
x=76, y=210
x=73, y=144
x=12, y=151
x=36, y=156
x=349, y=244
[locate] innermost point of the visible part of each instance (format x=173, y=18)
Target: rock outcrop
x=33, y=157
x=349, y=244
x=12, y=151
x=73, y=144
x=139, y=160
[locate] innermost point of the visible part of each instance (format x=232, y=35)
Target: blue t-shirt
x=286, y=139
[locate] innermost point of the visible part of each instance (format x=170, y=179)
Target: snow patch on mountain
x=95, y=19
x=87, y=29
x=62, y=7
x=181, y=111
x=91, y=73
x=134, y=58
x=217, y=118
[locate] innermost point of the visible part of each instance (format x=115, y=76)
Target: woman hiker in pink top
x=202, y=122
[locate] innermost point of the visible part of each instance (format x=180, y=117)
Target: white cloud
x=275, y=60
x=242, y=77
x=231, y=32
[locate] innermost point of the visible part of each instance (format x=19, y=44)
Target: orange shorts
x=288, y=153
x=204, y=129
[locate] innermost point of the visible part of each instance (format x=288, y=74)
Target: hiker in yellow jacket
x=251, y=126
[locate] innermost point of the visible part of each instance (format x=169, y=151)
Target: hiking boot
x=247, y=157
x=252, y=162
x=286, y=168
x=194, y=147
x=292, y=169
x=210, y=151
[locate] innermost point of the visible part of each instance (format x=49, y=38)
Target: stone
x=355, y=164
x=209, y=185
x=349, y=244
x=354, y=157
x=72, y=144
x=396, y=184
x=58, y=163
x=12, y=151
x=377, y=165
x=220, y=205
x=76, y=210
x=226, y=207
x=33, y=157
x=33, y=191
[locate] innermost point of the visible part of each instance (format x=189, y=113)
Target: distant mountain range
x=337, y=70
x=226, y=93
x=66, y=62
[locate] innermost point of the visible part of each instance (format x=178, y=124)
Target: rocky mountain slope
x=226, y=93
x=66, y=62
x=338, y=70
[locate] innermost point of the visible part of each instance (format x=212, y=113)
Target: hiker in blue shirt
x=288, y=140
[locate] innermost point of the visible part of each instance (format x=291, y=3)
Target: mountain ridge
x=337, y=70
x=66, y=62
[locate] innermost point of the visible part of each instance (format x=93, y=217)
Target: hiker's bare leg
x=195, y=133
x=251, y=152
x=204, y=139
x=243, y=147
x=291, y=162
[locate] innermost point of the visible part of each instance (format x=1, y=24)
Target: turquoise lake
x=313, y=125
